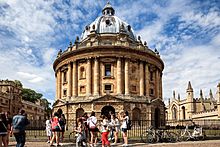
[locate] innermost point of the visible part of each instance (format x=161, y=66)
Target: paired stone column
x=147, y=79
x=59, y=83
x=75, y=80
x=141, y=78
x=69, y=80
x=126, y=77
x=96, y=77
x=88, y=77
x=157, y=82
x=161, y=86
x=119, y=72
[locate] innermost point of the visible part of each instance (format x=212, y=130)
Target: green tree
x=30, y=95
x=46, y=105
x=18, y=83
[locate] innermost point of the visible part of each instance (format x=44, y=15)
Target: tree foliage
x=30, y=95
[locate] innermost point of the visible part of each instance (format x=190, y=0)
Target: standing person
x=55, y=129
x=116, y=127
x=9, y=122
x=19, y=123
x=105, y=132
x=92, y=122
x=124, y=118
x=62, y=123
x=80, y=130
x=84, y=120
x=4, y=126
x=48, y=129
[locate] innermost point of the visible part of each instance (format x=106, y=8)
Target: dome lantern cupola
x=108, y=10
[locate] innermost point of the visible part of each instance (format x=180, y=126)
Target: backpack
x=129, y=124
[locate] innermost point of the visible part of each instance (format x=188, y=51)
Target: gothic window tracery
x=174, y=113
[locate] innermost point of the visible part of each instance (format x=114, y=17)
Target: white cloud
x=33, y=31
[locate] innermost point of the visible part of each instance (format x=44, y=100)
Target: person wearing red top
x=56, y=128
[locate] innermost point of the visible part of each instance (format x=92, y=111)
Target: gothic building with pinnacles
x=109, y=69
x=191, y=108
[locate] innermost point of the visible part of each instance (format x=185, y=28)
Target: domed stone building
x=109, y=69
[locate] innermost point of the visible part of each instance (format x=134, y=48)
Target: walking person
x=124, y=118
x=56, y=128
x=48, y=129
x=4, y=127
x=19, y=123
x=92, y=122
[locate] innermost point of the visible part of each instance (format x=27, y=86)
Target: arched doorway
x=106, y=109
x=136, y=116
x=79, y=112
x=157, y=117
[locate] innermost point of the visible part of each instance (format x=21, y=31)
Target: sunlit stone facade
x=194, y=108
x=11, y=100
x=109, y=69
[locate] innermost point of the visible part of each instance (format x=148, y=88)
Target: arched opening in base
x=107, y=109
x=157, y=117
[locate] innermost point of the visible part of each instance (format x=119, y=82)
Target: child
x=80, y=134
x=48, y=130
x=105, y=132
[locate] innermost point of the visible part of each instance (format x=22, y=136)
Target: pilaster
x=119, y=72
x=141, y=79
x=88, y=77
x=126, y=77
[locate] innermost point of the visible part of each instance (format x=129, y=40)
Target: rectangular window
x=108, y=87
x=151, y=91
x=82, y=89
x=151, y=76
x=108, y=70
x=64, y=92
x=64, y=77
x=133, y=88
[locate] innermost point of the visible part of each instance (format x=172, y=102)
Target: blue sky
x=186, y=33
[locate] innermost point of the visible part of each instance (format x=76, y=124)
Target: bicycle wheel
x=172, y=137
x=147, y=137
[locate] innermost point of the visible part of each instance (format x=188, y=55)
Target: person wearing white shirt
x=92, y=122
x=123, y=116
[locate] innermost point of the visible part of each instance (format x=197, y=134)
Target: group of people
x=87, y=128
x=55, y=127
x=15, y=126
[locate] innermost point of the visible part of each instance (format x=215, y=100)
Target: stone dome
x=108, y=23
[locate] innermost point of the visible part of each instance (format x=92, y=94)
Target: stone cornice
x=110, y=51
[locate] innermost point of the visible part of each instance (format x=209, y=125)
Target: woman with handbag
x=56, y=128
x=92, y=122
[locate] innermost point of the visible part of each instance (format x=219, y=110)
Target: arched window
x=174, y=113
x=184, y=112
x=79, y=112
x=82, y=73
x=136, y=116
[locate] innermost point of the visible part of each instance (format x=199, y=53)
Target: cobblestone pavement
x=207, y=143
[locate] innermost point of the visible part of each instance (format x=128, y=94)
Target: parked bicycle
x=196, y=134
x=161, y=135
